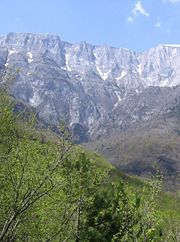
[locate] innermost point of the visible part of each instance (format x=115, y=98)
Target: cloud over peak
x=138, y=10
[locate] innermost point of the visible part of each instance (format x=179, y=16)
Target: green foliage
x=54, y=191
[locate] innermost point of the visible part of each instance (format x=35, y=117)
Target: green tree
x=29, y=171
x=52, y=191
x=45, y=186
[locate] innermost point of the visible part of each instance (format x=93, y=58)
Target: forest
x=54, y=190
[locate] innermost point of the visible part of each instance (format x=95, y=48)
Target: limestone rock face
x=92, y=88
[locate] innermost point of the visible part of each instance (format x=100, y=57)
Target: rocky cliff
x=92, y=88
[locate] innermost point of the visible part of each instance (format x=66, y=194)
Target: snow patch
x=104, y=76
x=30, y=57
x=67, y=56
x=119, y=99
x=123, y=73
x=100, y=72
x=6, y=64
x=10, y=52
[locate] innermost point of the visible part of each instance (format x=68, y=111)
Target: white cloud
x=158, y=24
x=130, y=19
x=137, y=10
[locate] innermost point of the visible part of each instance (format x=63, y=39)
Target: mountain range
x=95, y=90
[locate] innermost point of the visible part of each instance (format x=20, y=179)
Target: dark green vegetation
x=51, y=190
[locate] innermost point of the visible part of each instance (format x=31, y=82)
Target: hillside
x=136, y=150
x=53, y=190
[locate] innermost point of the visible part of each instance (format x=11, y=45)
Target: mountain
x=145, y=147
x=94, y=89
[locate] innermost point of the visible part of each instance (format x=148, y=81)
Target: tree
x=28, y=168
x=45, y=185
x=52, y=191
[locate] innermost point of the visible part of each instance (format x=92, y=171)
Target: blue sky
x=134, y=24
